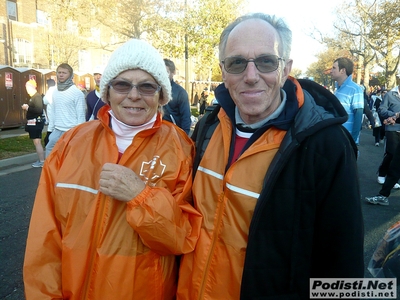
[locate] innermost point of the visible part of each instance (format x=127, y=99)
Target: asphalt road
x=17, y=191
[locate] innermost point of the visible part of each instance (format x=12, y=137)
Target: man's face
x=256, y=94
x=63, y=75
x=170, y=74
x=97, y=78
x=336, y=74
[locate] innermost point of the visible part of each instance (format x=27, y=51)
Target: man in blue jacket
x=94, y=103
x=177, y=110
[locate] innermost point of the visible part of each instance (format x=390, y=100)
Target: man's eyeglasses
x=124, y=87
x=264, y=64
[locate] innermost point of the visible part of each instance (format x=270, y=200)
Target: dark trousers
x=378, y=133
x=46, y=139
x=393, y=173
x=202, y=108
x=392, y=141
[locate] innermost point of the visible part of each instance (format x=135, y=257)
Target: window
x=104, y=59
x=114, y=39
x=96, y=34
x=72, y=26
x=41, y=17
x=23, y=52
x=12, y=10
x=84, y=60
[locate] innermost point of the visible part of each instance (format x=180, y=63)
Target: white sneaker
x=38, y=164
x=381, y=179
x=378, y=199
x=396, y=186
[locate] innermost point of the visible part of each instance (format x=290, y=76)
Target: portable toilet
x=11, y=113
x=28, y=74
x=46, y=75
x=84, y=80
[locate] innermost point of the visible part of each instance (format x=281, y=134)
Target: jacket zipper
x=97, y=231
x=215, y=237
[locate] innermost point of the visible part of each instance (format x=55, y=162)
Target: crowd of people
x=384, y=122
x=122, y=211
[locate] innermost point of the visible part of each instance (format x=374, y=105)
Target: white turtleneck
x=125, y=133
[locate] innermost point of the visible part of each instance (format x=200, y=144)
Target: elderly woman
x=112, y=210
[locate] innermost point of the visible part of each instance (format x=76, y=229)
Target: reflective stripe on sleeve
x=78, y=187
x=229, y=186
x=212, y=173
x=242, y=191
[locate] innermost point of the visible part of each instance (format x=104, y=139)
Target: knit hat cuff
x=137, y=54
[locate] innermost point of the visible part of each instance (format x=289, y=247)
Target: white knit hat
x=137, y=54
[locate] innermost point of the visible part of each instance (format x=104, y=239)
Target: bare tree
x=320, y=70
x=369, y=30
x=384, y=38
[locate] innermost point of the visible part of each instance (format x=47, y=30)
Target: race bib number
x=31, y=122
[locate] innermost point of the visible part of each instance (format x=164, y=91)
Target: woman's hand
x=120, y=182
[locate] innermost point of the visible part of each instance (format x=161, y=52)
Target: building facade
x=30, y=37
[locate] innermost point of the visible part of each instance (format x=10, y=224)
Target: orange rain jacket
x=214, y=270
x=85, y=245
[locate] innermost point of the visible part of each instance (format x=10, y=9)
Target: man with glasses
x=277, y=185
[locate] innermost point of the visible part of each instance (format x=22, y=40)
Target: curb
x=19, y=163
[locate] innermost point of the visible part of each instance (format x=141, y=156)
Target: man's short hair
x=66, y=66
x=285, y=34
x=347, y=63
x=51, y=82
x=170, y=64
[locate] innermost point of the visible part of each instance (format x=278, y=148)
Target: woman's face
x=133, y=108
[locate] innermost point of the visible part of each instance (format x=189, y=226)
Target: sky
x=301, y=17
